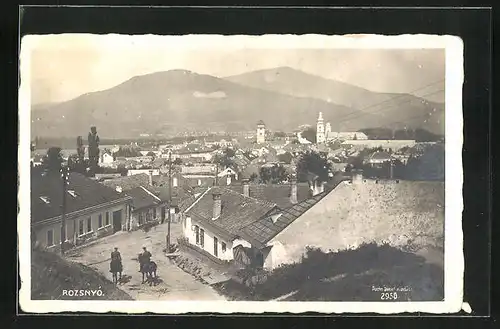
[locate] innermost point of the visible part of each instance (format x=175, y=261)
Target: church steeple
x=261, y=132
x=320, y=129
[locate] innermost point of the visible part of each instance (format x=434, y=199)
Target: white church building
x=325, y=134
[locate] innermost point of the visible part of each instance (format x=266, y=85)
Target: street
x=173, y=283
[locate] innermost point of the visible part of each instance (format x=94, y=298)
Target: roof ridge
x=148, y=192
x=198, y=199
x=252, y=198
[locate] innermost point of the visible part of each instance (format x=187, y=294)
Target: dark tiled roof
x=128, y=182
x=88, y=193
x=241, y=162
x=237, y=211
x=141, y=198
x=260, y=232
x=193, y=181
x=276, y=193
x=186, y=203
x=380, y=155
x=179, y=193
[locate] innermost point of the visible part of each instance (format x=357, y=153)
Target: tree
x=285, y=157
x=93, y=140
x=253, y=177
x=313, y=162
x=127, y=152
x=274, y=175
x=279, y=134
x=122, y=169
x=377, y=133
x=422, y=135
x=309, y=134
x=177, y=161
x=404, y=134
x=225, y=160
x=355, y=137
x=53, y=160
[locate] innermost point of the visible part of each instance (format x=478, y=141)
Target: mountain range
x=176, y=101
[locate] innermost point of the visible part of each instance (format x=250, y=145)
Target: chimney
x=246, y=187
x=217, y=204
x=174, y=182
x=317, y=187
x=293, y=192
x=151, y=178
x=357, y=177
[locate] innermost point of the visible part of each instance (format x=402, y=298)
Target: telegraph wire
x=410, y=93
x=384, y=108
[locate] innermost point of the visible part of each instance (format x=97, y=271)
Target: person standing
x=144, y=258
x=116, y=262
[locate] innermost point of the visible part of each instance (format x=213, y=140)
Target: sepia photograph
x=209, y=173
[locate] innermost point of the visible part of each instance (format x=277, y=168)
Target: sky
x=63, y=69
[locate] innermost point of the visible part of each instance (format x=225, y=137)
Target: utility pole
x=216, y=173
x=64, y=175
x=169, y=198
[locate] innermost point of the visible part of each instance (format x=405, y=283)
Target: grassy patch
x=348, y=275
x=51, y=274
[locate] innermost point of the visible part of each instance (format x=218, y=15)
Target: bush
x=357, y=269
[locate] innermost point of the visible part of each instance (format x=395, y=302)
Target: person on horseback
x=116, y=263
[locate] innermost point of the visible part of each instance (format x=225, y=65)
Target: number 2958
x=389, y=296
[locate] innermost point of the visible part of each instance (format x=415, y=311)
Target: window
x=216, y=247
x=223, y=246
x=50, y=238
x=89, y=224
x=80, y=228
x=202, y=238
x=107, y=218
x=154, y=213
x=197, y=233
x=99, y=221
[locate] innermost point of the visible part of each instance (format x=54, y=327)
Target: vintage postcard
x=248, y=174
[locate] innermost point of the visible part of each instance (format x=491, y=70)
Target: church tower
x=261, y=132
x=328, y=130
x=320, y=130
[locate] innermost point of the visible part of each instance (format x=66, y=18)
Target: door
x=216, y=247
x=162, y=215
x=117, y=221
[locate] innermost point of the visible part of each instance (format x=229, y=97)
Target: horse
x=116, y=267
x=148, y=271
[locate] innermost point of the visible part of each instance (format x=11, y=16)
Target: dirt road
x=173, y=283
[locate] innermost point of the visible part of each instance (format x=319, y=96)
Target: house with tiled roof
x=236, y=226
x=283, y=195
x=147, y=208
x=215, y=221
x=151, y=197
x=379, y=158
x=92, y=209
x=355, y=212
